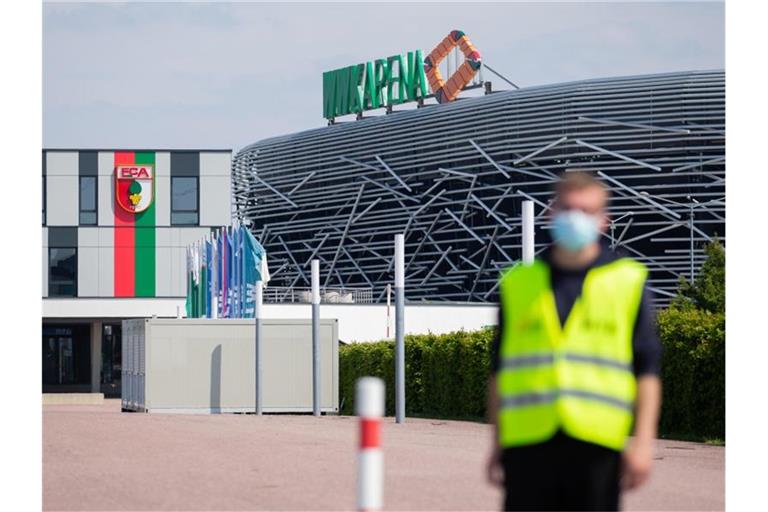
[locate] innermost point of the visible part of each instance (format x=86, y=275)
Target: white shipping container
x=208, y=366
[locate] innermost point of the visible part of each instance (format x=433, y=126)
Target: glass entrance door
x=58, y=361
x=66, y=358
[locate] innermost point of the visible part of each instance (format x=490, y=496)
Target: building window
x=184, y=201
x=44, y=199
x=88, y=200
x=62, y=272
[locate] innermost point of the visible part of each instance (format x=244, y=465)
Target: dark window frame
x=50, y=271
x=80, y=209
x=196, y=210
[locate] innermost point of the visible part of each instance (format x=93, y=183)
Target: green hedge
x=693, y=373
x=445, y=375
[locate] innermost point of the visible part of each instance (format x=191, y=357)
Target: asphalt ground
x=97, y=458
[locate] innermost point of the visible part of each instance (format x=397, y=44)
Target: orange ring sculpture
x=447, y=90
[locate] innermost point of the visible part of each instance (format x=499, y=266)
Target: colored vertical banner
x=145, y=239
x=134, y=239
x=125, y=262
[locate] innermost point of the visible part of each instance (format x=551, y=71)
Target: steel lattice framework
x=452, y=178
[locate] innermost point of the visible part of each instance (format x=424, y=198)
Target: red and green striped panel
x=135, y=240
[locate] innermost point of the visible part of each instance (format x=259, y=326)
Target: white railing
x=328, y=295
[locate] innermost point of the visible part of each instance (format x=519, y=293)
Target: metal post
x=690, y=226
x=528, y=233
x=369, y=406
x=316, y=337
x=257, y=317
x=389, y=302
x=399, y=328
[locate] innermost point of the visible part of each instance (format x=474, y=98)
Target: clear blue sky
x=189, y=75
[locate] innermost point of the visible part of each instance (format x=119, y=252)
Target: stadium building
x=452, y=177
x=115, y=226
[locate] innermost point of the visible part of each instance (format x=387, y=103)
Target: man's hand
x=637, y=462
x=638, y=457
x=494, y=471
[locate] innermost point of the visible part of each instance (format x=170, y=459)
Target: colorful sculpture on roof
x=448, y=90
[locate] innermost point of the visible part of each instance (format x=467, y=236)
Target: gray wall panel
x=177, y=271
x=106, y=271
x=106, y=214
x=62, y=188
x=162, y=188
x=189, y=235
x=88, y=271
x=163, y=263
x=163, y=271
x=215, y=196
x=88, y=237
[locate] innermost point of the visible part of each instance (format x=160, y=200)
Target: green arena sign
x=374, y=84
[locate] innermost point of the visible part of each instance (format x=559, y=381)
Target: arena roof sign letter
x=374, y=84
x=398, y=79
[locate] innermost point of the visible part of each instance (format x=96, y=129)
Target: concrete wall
x=368, y=322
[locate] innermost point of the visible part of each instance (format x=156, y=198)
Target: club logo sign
x=134, y=187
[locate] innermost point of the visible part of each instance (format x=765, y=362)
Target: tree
x=692, y=331
x=707, y=291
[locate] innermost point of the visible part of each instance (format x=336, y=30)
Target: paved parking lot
x=97, y=458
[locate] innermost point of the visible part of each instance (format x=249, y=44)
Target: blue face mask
x=574, y=229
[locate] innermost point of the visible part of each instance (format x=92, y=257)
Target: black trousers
x=561, y=474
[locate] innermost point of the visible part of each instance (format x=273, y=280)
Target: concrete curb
x=73, y=398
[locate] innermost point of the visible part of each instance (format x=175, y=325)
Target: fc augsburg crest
x=134, y=187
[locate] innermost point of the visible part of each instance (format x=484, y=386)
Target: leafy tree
x=692, y=331
x=707, y=291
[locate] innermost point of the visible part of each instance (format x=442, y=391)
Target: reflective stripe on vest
x=510, y=363
x=551, y=396
x=577, y=377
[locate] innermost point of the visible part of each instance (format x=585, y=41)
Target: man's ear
x=605, y=219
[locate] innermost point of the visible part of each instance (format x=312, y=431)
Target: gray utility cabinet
x=208, y=366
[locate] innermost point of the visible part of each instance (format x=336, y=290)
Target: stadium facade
x=452, y=177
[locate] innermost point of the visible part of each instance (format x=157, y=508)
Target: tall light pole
x=399, y=328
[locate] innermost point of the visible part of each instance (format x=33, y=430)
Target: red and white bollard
x=369, y=405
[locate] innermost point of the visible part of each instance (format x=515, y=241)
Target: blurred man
x=574, y=367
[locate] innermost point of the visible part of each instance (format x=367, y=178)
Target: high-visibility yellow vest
x=578, y=377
